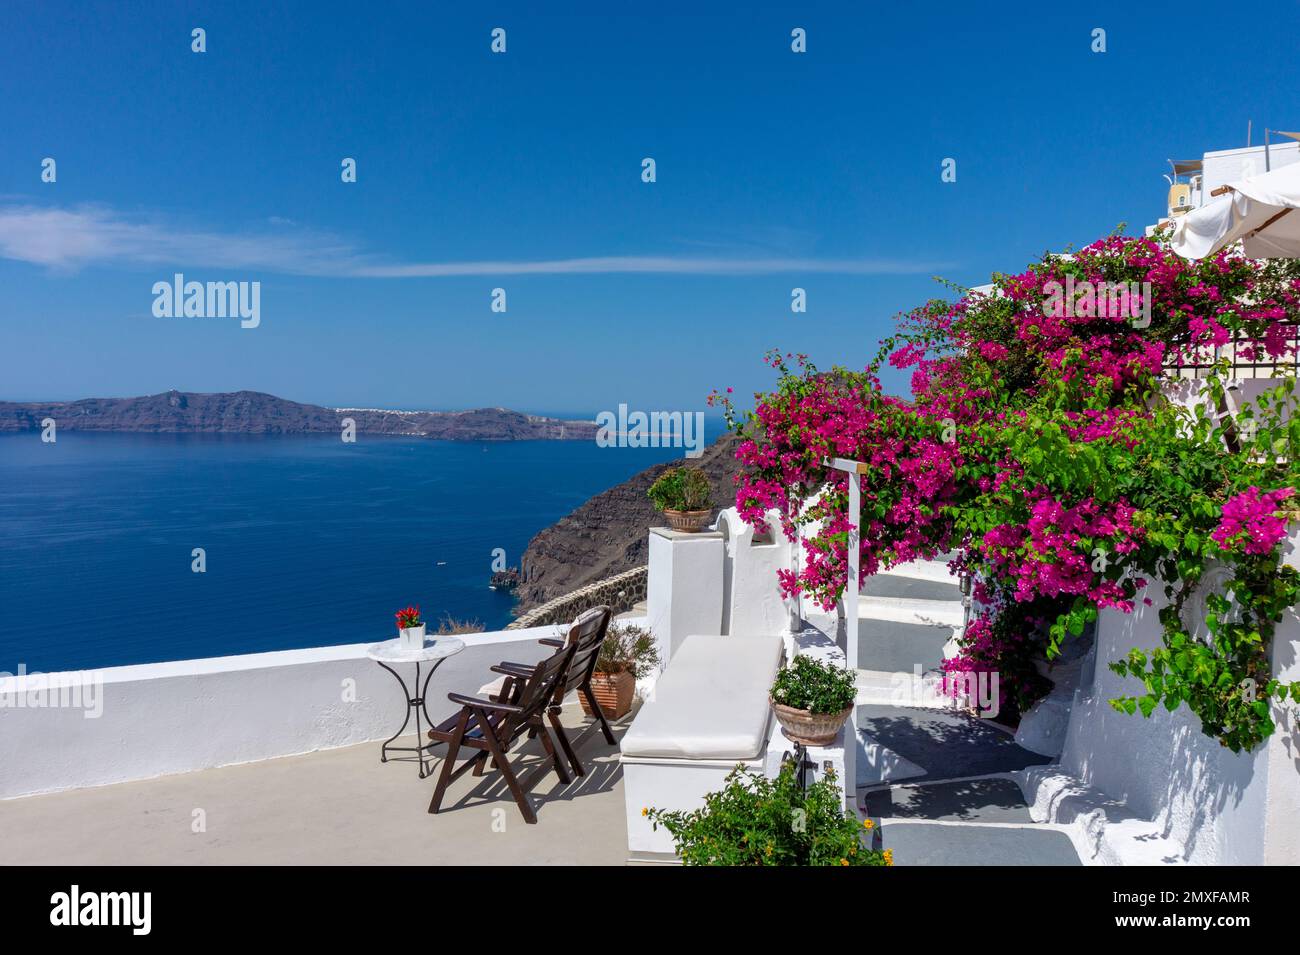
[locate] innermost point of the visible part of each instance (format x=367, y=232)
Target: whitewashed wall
x=751, y=596
x=187, y=715
x=1282, y=802
x=684, y=588
x=1157, y=790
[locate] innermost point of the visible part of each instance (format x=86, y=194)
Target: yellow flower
x=889, y=857
x=844, y=862
x=868, y=824
x=645, y=811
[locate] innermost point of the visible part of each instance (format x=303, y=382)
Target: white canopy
x=1256, y=210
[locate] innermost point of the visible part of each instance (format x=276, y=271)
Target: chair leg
x=494, y=746
x=563, y=737
x=585, y=689
x=479, y=762
x=551, y=751
x=452, y=749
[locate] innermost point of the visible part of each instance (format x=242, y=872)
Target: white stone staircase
x=909, y=618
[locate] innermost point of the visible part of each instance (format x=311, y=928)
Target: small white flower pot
x=411, y=638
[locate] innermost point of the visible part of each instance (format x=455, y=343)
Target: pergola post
x=797, y=622
x=854, y=470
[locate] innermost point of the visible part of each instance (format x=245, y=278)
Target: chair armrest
x=550, y=642
x=484, y=704
x=513, y=669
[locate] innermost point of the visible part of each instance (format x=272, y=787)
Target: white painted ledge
x=138, y=722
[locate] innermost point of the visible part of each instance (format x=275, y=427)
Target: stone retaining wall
x=621, y=592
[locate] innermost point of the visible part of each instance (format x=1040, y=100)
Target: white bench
x=708, y=713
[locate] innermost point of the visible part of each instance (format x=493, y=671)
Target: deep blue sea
x=308, y=541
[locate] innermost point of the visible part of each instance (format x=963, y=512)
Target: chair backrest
x=540, y=686
x=586, y=634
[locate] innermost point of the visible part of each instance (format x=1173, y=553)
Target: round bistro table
x=390, y=653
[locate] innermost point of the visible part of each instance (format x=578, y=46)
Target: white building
x=1194, y=181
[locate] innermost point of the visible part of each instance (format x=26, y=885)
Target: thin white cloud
x=661, y=264
x=69, y=239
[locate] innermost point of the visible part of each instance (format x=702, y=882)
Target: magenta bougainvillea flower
x=1030, y=443
x=1253, y=521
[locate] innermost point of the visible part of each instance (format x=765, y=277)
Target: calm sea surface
x=308, y=541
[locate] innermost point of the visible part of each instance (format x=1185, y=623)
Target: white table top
x=391, y=651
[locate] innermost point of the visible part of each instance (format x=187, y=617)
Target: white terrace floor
x=335, y=807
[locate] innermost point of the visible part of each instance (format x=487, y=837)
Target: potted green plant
x=410, y=628
x=812, y=699
x=754, y=820
x=685, y=497
x=628, y=654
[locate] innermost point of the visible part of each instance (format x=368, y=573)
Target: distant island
x=252, y=412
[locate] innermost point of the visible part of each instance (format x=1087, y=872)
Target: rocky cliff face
x=607, y=535
x=251, y=412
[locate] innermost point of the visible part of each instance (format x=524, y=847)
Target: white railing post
x=796, y=562
x=855, y=560
x=854, y=470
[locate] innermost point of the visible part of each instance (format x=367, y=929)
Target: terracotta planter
x=811, y=729
x=688, y=521
x=613, y=692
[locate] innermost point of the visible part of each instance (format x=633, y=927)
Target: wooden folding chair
x=489, y=727
x=585, y=636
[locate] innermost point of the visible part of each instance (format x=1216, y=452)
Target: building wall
x=1228, y=165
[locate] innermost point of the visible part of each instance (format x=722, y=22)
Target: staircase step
x=894, y=647
x=917, y=588
x=901, y=689
x=935, y=571
x=948, y=613
x=878, y=764
x=968, y=800
x=947, y=744
x=971, y=844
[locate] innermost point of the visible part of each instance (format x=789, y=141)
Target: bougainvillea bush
x=1043, y=443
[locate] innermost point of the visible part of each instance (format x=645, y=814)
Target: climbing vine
x=1047, y=443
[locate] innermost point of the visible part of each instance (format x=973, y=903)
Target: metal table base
x=414, y=704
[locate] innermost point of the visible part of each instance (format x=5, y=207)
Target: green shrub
x=754, y=820
x=628, y=649
x=808, y=684
x=681, y=489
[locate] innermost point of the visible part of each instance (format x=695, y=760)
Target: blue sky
x=523, y=171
